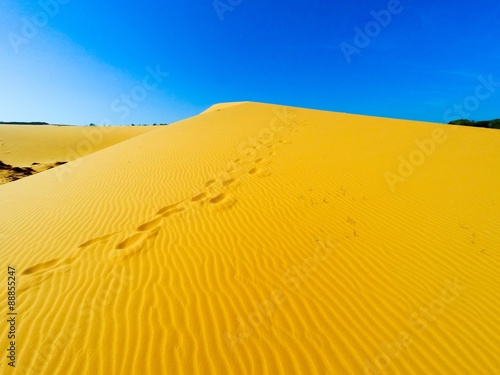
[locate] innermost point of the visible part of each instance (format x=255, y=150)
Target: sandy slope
x=43, y=147
x=261, y=239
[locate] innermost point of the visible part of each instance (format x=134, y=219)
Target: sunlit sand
x=255, y=239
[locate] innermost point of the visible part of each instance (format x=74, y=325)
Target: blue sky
x=76, y=62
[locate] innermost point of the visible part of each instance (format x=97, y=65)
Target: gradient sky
x=82, y=59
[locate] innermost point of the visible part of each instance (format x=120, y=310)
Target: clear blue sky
x=82, y=59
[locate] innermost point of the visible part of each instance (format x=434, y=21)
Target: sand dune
x=260, y=239
x=34, y=148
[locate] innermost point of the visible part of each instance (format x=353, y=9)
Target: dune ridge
x=29, y=149
x=256, y=238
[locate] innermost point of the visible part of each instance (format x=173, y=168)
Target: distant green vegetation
x=22, y=123
x=495, y=124
x=491, y=124
x=155, y=124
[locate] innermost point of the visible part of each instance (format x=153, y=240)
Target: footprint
x=222, y=202
x=254, y=170
x=272, y=153
x=142, y=248
x=219, y=198
x=176, y=211
x=54, y=263
x=229, y=182
x=210, y=183
x=150, y=224
x=168, y=208
x=130, y=241
x=40, y=267
x=237, y=160
x=259, y=172
x=96, y=240
x=199, y=197
x=259, y=160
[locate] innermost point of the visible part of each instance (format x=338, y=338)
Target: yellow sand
x=259, y=239
x=42, y=147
